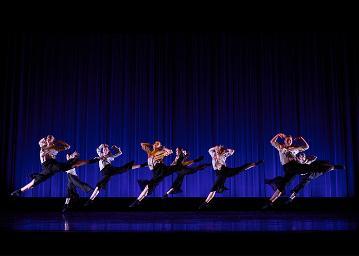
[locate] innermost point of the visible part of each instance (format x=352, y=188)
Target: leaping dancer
x=182, y=164
x=219, y=155
x=73, y=183
x=287, y=155
x=317, y=169
x=49, y=148
x=155, y=157
x=107, y=169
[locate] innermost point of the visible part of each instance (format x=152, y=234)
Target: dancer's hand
x=117, y=149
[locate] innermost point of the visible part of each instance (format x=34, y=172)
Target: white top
x=287, y=154
x=108, y=158
x=155, y=158
x=219, y=160
x=46, y=153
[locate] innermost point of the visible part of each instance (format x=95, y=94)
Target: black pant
x=293, y=168
x=177, y=184
x=74, y=182
x=305, y=179
x=110, y=171
x=224, y=173
x=49, y=168
x=160, y=171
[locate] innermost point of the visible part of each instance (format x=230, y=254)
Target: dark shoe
x=339, y=167
x=267, y=206
x=134, y=204
x=288, y=201
x=88, y=203
x=204, y=205
x=16, y=193
x=259, y=162
x=199, y=159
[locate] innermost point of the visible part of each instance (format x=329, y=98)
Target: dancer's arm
x=212, y=151
x=99, y=150
x=167, y=151
x=58, y=145
x=305, y=146
x=146, y=147
x=228, y=152
x=62, y=145
x=310, y=159
x=274, y=142
x=42, y=143
x=117, y=150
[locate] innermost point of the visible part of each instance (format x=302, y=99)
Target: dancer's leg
x=230, y=172
x=80, y=184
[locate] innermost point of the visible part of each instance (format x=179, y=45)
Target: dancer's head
x=156, y=145
x=301, y=157
x=50, y=139
x=105, y=149
x=288, y=140
x=179, y=151
x=73, y=155
x=220, y=149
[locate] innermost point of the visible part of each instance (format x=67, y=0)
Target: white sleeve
x=98, y=150
x=212, y=151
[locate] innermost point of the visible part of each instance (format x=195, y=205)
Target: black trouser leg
x=80, y=184
x=219, y=183
x=103, y=182
x=71, y=188
x=122, y=169
x=177, y=184
x=230, y=172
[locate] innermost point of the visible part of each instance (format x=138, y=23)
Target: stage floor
x=178, y=228
x=237, y=221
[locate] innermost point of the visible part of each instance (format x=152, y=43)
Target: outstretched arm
x=58, y=145
x=62, y=144
x=167, y=151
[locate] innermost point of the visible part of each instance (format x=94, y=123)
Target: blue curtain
x=193, y=90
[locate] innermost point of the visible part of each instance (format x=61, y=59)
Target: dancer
x=155, y=157
x=107, y=169
x=219, y=155
x=73, y=183
x=179, y=164
x=318, y=169
x=183, y=170
x=287, y=152
x=49, y=148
